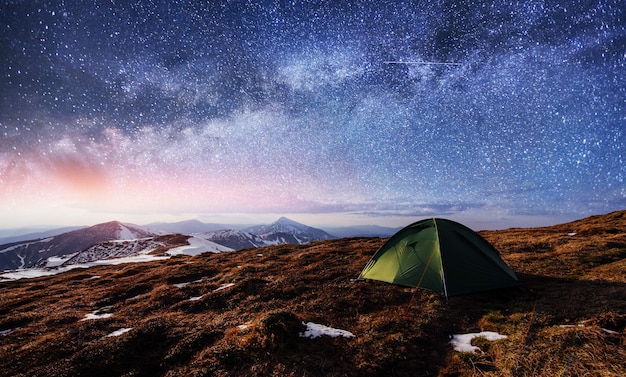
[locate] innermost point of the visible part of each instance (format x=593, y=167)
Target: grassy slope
x=574, y=285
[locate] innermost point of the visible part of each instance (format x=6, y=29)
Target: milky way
x=199, y=108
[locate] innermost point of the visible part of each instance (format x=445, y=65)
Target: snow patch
x=224, y=286
x=99, y=314
x=198, y=246
x=314, y=330
x=127, y=233
x=56, y=261
x=119, y=332
x=95, y=315
x=610, y=331
x=463, y=342
x=39, y=272
x=180, y=285
x=195, y=298
x=6, y=332
x=22, y=260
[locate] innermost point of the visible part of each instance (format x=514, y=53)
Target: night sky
x=493, y=113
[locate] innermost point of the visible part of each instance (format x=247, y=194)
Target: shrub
x=279, y=328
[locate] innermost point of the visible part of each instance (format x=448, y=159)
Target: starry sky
x=492, y=113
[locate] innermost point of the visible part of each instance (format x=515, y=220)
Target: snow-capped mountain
x=288, y=231
x=234, y=239
x=31, y=253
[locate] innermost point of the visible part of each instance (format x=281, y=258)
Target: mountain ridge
x=103, y=240
x=33, y=253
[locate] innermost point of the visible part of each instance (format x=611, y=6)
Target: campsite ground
x=242, y=313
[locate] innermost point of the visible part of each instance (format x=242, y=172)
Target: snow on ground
x=22, y=260
x=463, y=342
x=54, y=265
x=610, y=331
x=38, y=272
x=198, y=246
x=95, y=315
x=6, y=332
x=58, y=260
x=223, y=286
x=29, y=273
x=180, y=285
x=126, y=234
x=120, y=331
x=129, y=232
x=98, y=314
x=314, y=330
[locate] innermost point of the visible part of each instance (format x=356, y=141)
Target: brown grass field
x=567, y=319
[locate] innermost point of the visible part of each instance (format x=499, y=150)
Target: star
x=500, y=114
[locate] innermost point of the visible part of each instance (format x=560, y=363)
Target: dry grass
x=573, y=290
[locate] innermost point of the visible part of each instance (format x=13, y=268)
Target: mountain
x=187, y=227
x=255, y=314
x=234, y=239
x=286, y=231
x=195, y=226
x=31, y=253
x=26, y=235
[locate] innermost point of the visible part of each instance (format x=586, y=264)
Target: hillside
x=241, y=313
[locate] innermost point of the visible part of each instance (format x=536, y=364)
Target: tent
x=440, y=255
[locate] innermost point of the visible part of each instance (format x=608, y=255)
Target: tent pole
x=443, y=276
x=445, y=288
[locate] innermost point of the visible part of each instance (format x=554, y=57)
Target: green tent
x=440, y=255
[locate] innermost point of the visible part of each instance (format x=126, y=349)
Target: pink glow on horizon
x=71, y=180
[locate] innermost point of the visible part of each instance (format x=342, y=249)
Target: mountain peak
x=286, y=221
x=285, y=230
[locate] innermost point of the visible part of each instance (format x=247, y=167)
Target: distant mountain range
x=119, y=240
x=17, y=235
x=189, y=226
x=31, y=253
